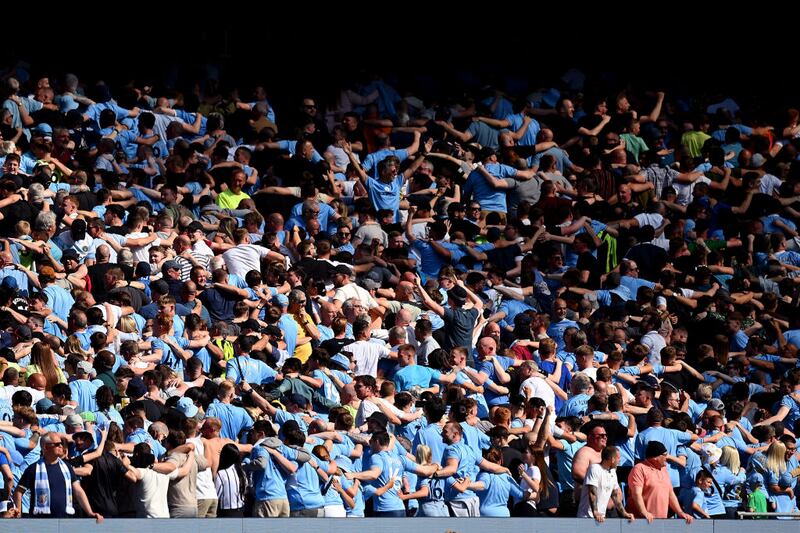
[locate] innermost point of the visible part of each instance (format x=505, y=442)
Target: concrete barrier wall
x=395, y=525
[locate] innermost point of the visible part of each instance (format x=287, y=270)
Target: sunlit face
x=11, y=166
x=487, y=347
x=237, y=182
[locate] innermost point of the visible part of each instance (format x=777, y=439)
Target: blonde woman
x=730, y=476
x=778, y=479
x=74, y=345
x=429, y=491
x=126, y=331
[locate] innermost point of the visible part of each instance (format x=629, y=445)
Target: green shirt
x=757, y=502
x=634, y=144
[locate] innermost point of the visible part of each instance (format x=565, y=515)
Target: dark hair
x=229, y=457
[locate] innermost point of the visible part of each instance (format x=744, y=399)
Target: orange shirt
x=656, y=487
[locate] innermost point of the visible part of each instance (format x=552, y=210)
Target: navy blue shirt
x=58, y=491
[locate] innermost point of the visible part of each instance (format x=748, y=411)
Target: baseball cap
x=9, y=283
x=187, y=407
x=716, y=404
x=84, y=367
x=342, y=361
x=69, y=254
x=171, y=264
x=711, y=453
x=378, y=418
x=73, y=421
x=43, y=405
x=753, y=480
x=83, y=433
x=654, y=449
x=281, y=300
x=297, y=399
x=457, y=295
x=136, y=388
x=43, y=129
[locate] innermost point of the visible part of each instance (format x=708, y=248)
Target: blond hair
x=423, y=454
x=730, y=458
x=776, y=458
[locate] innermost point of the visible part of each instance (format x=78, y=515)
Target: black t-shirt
x=86, y=200
x=650, y=259
x=118, y=230
x=586, y=261
x=334, y=346
x=563, y=128
x=458, y=326
x=590, y=122
x=16, y=212
x=504, y=258
x=138, y=297
x=153, y=410
x=314, y=268
x=102, y=485
x=58, y=490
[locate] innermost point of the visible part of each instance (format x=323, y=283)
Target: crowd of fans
x=557, y=304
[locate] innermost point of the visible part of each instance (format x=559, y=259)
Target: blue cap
x=755, y=479
x=297, y=399
x=281, y=300
x=43, y=405
x=9, y=283
x=187, y=407
x=44, y=129
x=342, y=361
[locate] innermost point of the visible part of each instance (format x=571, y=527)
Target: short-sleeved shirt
x=415, y=375
x=58, y=489
x=656, y=488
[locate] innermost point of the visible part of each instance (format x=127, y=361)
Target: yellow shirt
x=302, y=351
x=34, y=369
x=228, y=200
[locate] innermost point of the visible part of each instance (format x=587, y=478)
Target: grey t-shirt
x=523, y=191
x=368, y=232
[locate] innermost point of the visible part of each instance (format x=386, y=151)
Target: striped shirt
x=228, y=487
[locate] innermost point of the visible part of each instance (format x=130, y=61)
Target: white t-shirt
x=8, y=391
x=649, y=219
x=367, y=407
x=535, y=387
x=151, y=493
x=366, y=355
x=243, y=258
x=604, y=481
x=351, y=290
x=141, y=253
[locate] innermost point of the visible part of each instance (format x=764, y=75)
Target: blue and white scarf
x=42, y=488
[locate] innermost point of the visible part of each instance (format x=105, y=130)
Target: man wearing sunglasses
x=53, y=484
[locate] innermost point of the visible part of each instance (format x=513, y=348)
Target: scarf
x=42, y=488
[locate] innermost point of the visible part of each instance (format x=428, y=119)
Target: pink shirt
x=656, y=488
